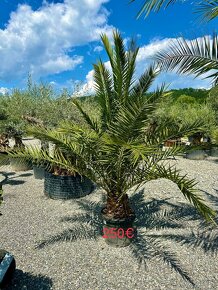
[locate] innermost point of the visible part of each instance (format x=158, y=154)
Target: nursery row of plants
x=114, y=139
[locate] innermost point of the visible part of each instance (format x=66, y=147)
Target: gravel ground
x=54, y=250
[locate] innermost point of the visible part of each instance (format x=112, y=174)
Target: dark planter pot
x=7, y=268
x=66, y=187
x=118, y=232
x=18, y=165
x=39, y=172
x=196, y=155
x=214, y=152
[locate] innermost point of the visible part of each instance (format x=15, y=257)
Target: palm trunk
x=4, y=142
x=117, y=207
x=18, y=142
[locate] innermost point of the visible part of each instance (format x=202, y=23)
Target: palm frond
x=207, y=241
x=187, y=187
x=129, y=69
x=103, y=87
x=131, y=119
x=207, y=9
x=33, y=153
x=89, y=120
x=108, y=47
x=122, y=63
x=144, y=82
x=147, y=248
x=160, y=132
x=198, y=57
x=119, y=65
x=153, y=6
x=80, y=232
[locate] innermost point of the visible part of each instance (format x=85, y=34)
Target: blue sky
x=58, y=41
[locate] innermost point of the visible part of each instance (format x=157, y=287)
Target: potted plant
x=118, y=150
x=60, y=183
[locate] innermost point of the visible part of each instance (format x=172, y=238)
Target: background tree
x=186, y=110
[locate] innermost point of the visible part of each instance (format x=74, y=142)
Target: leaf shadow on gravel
x=158, y=221
x=11, y=177
x=29, y=281
x=212, y=198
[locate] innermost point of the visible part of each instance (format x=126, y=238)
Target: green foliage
x=214, y=136
x=181, y=113
x=41, y=102
x=200, y=95
x=185, y=100
x=213, y=101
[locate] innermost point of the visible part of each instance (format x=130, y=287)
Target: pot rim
x=65, y=176
x=128, y=219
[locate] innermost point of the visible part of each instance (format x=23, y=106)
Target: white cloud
x=4, y=91
x=88, y=87
x=98, y=48
x=144, y=58
x=39, y=41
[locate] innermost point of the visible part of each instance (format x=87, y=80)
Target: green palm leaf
x=198, y=57
x=144, y=82
x=103, y=87
x=207, y=9
x=153, y=5
x=89, y=120
x=187, y=187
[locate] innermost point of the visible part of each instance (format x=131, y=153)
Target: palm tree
x=208, y=9
x=198, y=57
x=120, y=148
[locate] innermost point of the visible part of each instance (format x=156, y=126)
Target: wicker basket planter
x=214, y=152
x=66, y=187
x=39, y=172
x=118, y=232
x=7, y=268
x=196, y=155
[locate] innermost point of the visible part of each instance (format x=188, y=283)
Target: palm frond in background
x=198, y=57
x=207, y=9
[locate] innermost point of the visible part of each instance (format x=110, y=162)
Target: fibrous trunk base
x=118, y=207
